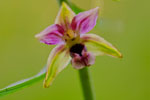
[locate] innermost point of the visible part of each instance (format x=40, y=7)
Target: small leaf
x=22, y=84
x=98, y=45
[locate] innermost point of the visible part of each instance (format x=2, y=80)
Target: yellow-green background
x=126, y=24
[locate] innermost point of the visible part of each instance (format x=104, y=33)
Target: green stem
x=86, y=83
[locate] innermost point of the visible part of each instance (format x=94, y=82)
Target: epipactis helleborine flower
x=73, y=45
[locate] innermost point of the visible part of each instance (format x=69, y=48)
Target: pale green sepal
x=58, y=59
x=64, y=16
x=97, y=45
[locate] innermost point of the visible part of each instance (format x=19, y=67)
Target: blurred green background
x=125, y=24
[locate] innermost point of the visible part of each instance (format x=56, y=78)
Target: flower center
x=77, y=48
x=70, y=34
x=71, y=39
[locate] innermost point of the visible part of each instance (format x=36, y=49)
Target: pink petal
x=85, y=21
x=87, y=59
x=80, y=57
x=76, y=62
x=51, y=35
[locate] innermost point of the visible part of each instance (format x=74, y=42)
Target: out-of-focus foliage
x=116, y=0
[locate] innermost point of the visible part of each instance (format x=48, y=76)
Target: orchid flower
x=73, y=44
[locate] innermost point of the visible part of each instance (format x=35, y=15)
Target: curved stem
x=86, y=84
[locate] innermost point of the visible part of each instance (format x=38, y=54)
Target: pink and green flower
x=73, y=44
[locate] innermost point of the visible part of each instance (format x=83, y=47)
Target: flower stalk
x=86, y=83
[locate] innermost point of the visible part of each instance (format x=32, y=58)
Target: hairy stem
x=86, y=84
